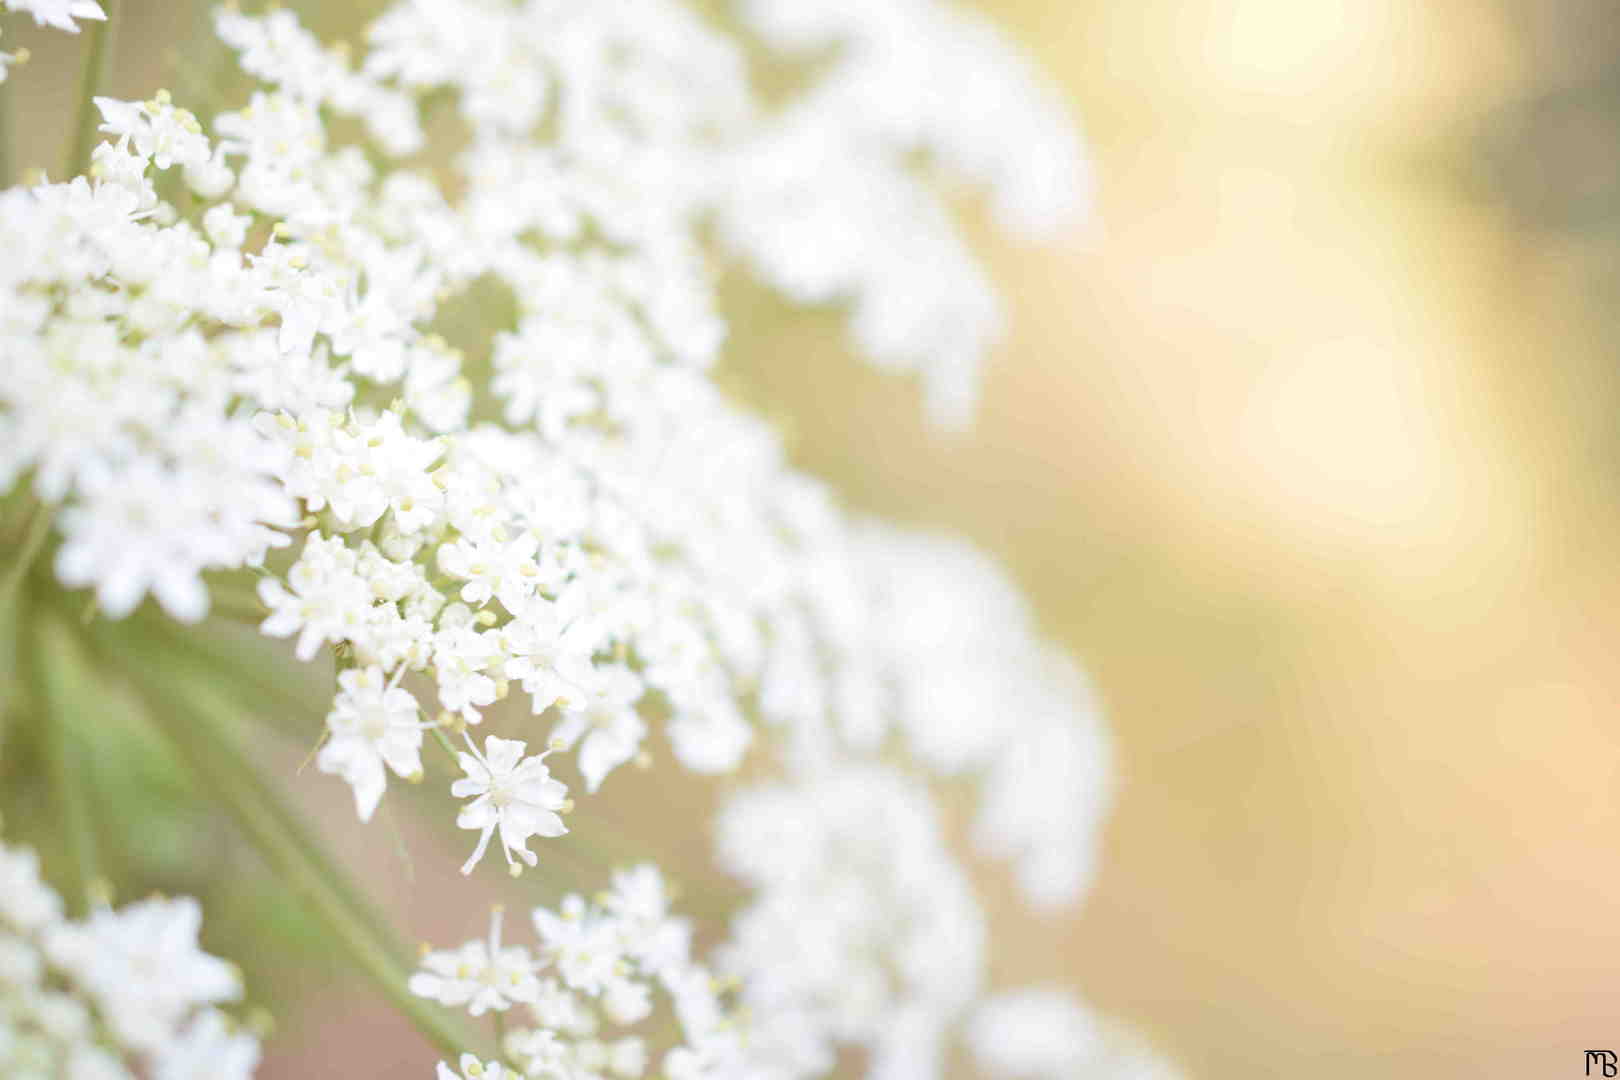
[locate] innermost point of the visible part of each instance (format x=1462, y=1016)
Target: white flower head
x=59, y=13
x=542, y=1053
x=115, y=955
x=470, y=1068
x=583, y=944
x=549, y=644
x=210, y=1047
x=373, y=723
x=157, y=130
x=27, y=904
x=512, y=793
x=1035, y=1032
x=608, y=722
x=479, y=976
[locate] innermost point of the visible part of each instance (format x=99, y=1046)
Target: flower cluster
x=192, y=397
x=243, y=354
x=597, y=966
x=827, y=207
x=862, y=930
x=120, y=994
x=1042, y=1033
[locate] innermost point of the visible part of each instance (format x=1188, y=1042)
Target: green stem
x=94, y=78
x=38, y=531
x=169, y=670
x=265, y=682
x=67, y=679
x=444, y=741
x=237, y=609
x=5, y=131
x=190, y=714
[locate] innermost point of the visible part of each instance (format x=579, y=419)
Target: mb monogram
x=1603, y=1060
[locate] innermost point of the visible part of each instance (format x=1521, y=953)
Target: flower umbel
x=408, y=356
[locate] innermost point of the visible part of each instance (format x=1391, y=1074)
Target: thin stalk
x=96, y=64
x=190, y=714
x=240, y=609
x=67, y=679
x=38, y=531
x=254, y=667
x=444, y=741
x=165, y=670
x=5, y=131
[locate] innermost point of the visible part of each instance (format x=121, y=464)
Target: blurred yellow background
x=1306, y=446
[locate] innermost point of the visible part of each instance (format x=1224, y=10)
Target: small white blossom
x=59, y=13
x=373, y=723
x=157, y=130
x=510, y=792
x=479, y=976
x=208, y=1048
x=541, y=1052
x=116, y=955
x=584, y=946
x=608, y=723
x=225, y=227
x=470, y=1068
x=27, y=904
x=328, y=600
x=549, y=645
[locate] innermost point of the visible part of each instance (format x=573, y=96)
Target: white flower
x=20, y=963
x=480, y=976
x=27, y=904
x=563, y=1011
x=208, y=1048
x=462, y=659
x=328, y=600
x=1034, y=1034
x=117, y=956
x=710, y=738
x=639, y=899
x=373, y=723
x=157, y=130
x=549, y=645
x=542, y=1053
x=584, y=945
x=627, y=1058
x=626, y=1002
x=512, y=793
x=470, y=1068
x=224, y=226
x=144, y=528
x=498, y=563
x=59, y=13
x=609, y=723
